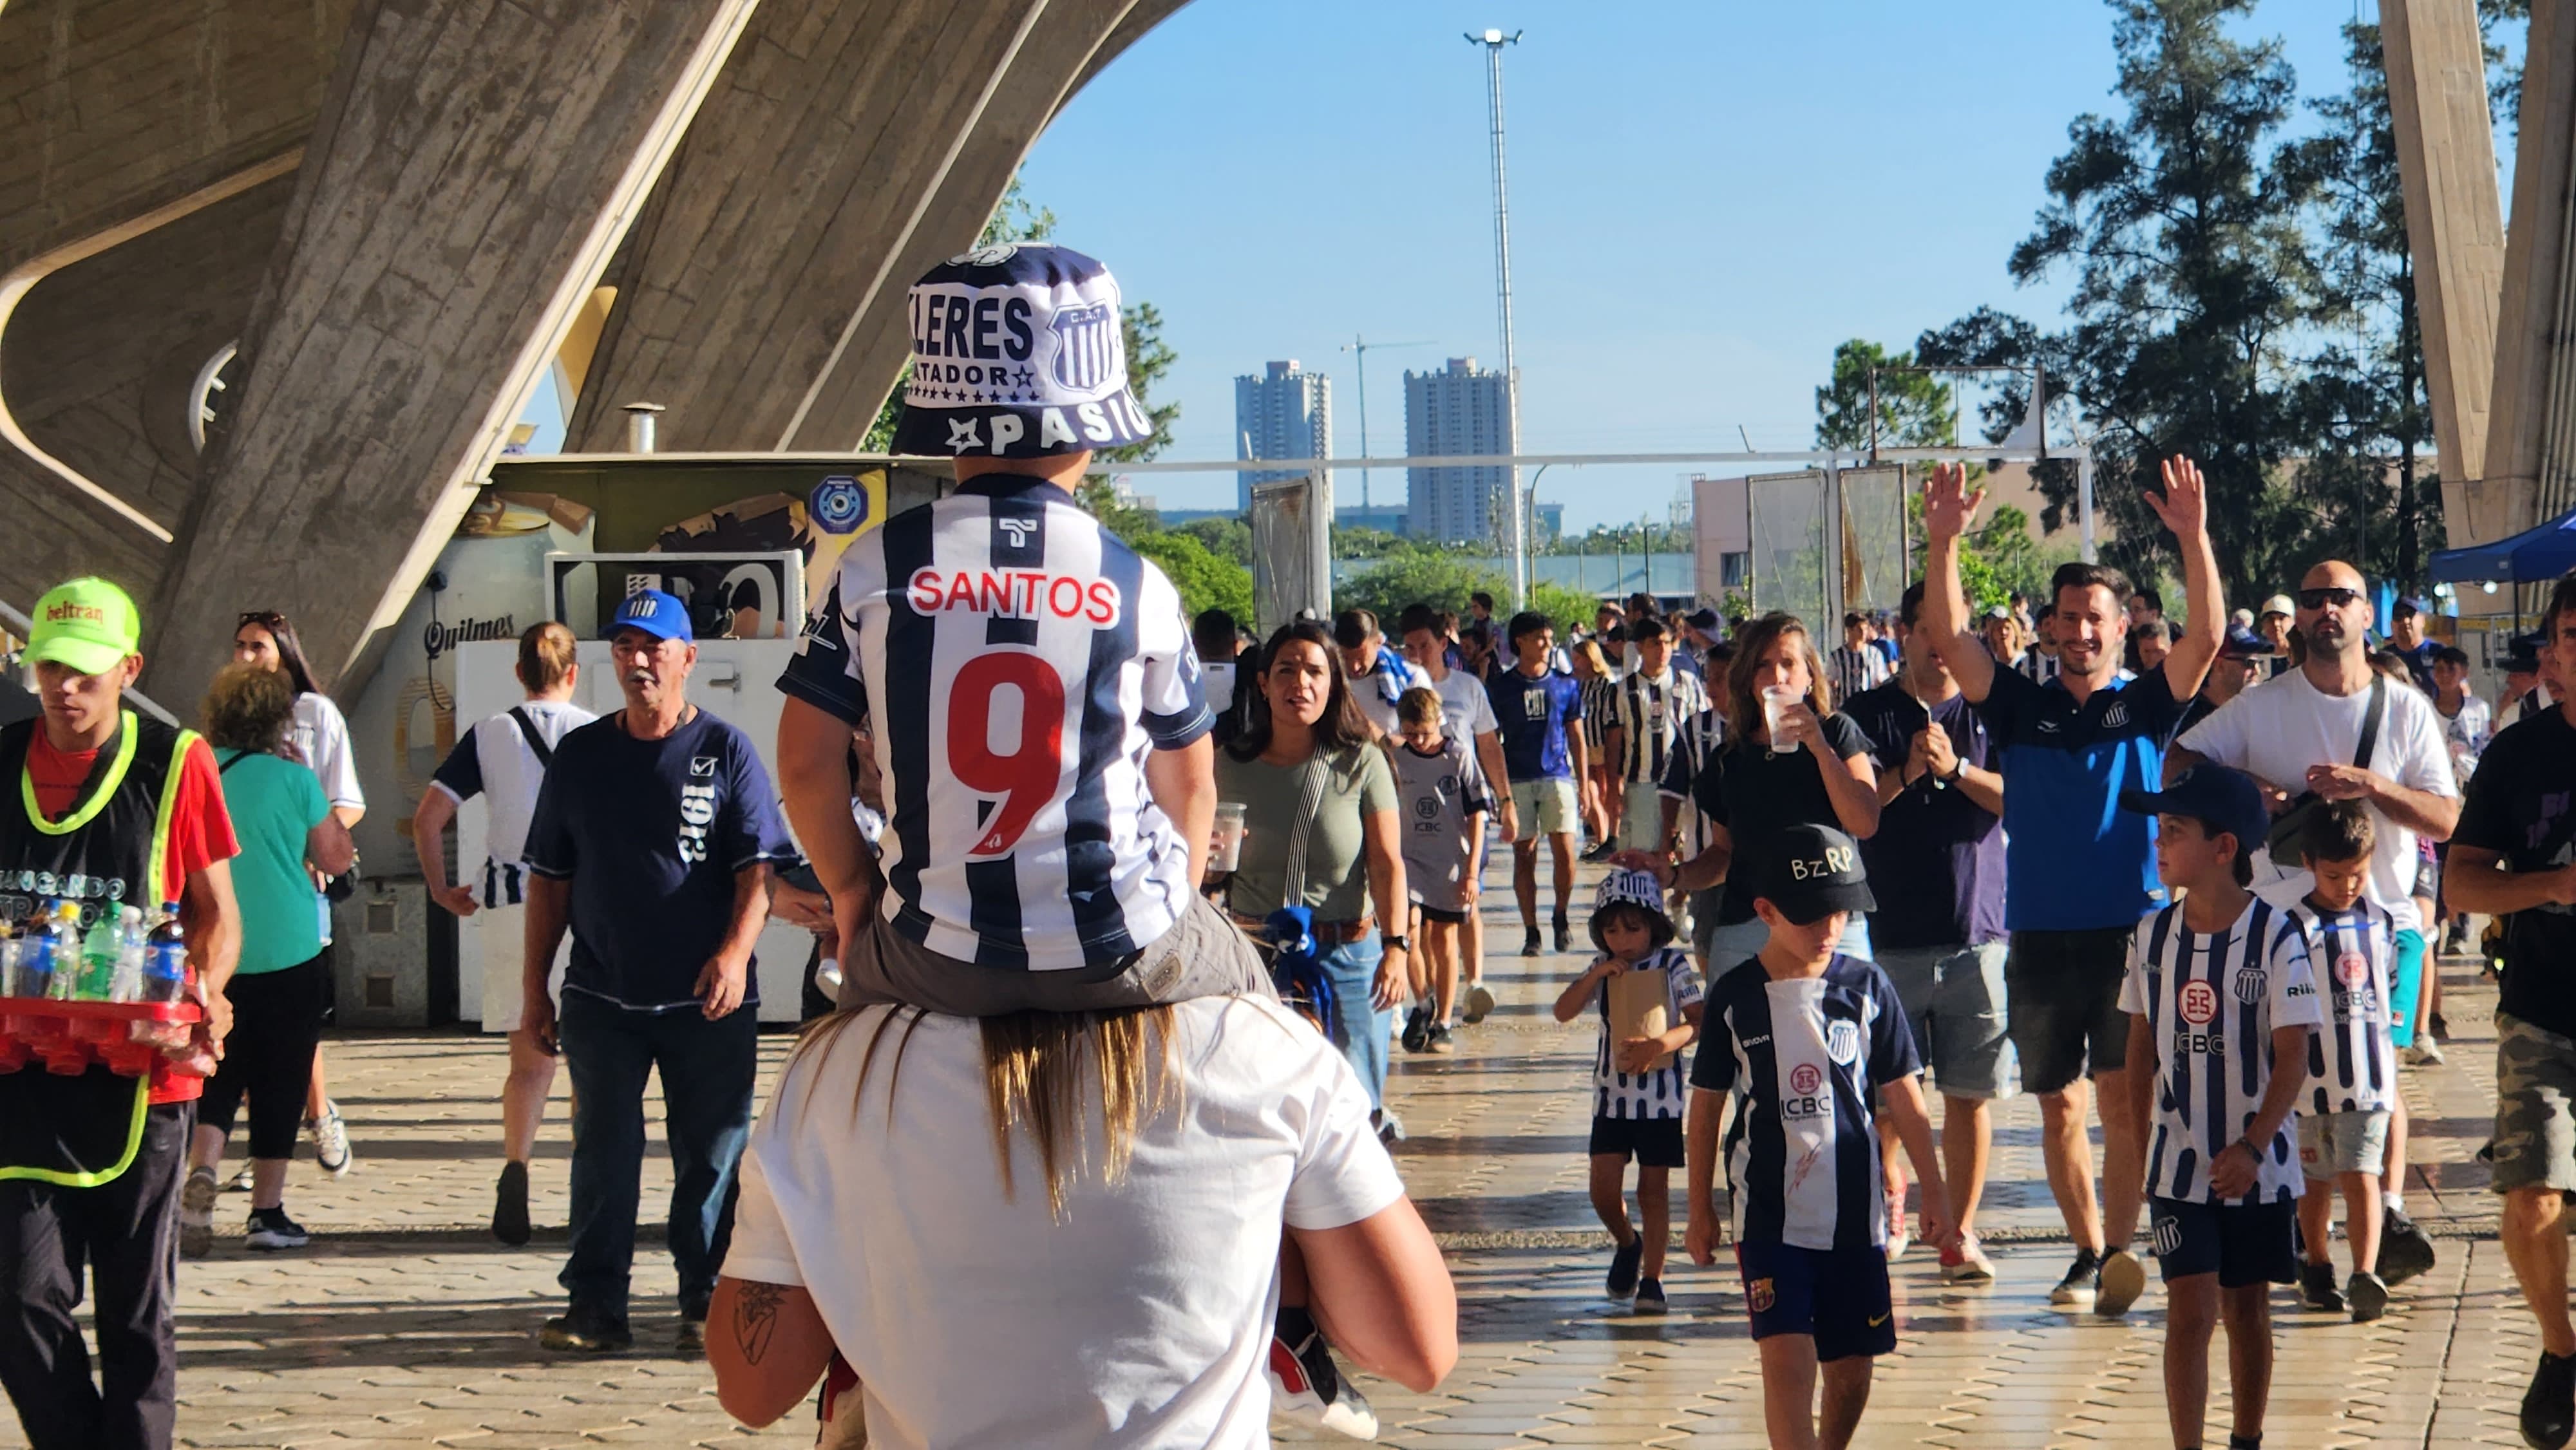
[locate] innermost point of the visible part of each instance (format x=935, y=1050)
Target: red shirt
x=201, y=834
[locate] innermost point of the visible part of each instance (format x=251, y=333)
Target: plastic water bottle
x=98, y=958
x=127, y=984
x=12, y=946
x=36, y=956
x=66, y=952
x=165, y=958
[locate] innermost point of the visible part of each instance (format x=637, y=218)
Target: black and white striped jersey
x=2351, y=1060
x=2211, y=1004
x=1017, y=663
x=1657, y=1093
x=1649, y=713
x=1696, y=741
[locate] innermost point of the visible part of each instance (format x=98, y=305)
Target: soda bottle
x=36, y=956
x=127, y=984
x=10, y=950
x=66, y=951
x=98, y=958
x=165, y=958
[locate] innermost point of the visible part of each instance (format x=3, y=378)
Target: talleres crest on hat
x=992, y=256
x=1088, y=348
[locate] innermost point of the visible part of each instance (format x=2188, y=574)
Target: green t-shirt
x=274, y=803
x=1361, y=783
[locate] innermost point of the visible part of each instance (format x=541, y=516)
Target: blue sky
x=1705, y=200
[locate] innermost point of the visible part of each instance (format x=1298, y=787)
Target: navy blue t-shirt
x=651, y=833
x=1936, y=864
x=2076, y=861
x=1532, y=716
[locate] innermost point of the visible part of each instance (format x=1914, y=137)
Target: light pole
x=1493, y=41
x=1359, y=347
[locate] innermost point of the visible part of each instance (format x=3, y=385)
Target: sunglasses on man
x=2335, y=596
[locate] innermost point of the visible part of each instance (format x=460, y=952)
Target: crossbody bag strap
x=1310, y=800
x=537, y=743
x=2370, y=718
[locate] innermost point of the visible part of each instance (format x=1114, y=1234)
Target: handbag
x=2284, y=835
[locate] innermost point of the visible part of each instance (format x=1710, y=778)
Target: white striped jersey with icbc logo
x=2351, y=1059
x=2211, y=1004
x=1016, y=663
x=1801, y=1055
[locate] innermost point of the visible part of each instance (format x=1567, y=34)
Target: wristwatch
x=1393, y=942
x=1958, y=768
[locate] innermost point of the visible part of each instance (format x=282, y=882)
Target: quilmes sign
x=437, y=638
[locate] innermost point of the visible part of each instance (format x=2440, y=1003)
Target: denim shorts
x=1954, y=1000
x=2350, y=1142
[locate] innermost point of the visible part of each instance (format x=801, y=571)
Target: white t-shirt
x=1466, y=707
x=1142, y=1318
x=2279, y=728
x=321, y=736
x=496, y=761
x=1393, y=672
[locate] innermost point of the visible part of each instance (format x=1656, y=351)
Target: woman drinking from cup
x=1324, y=836
x=1787, y=761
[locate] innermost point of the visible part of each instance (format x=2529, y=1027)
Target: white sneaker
x=197, y=1214
x=1479, y=1004
x=1306, y=1386
x=240, y=1182
x=2423, y=1052
x=1967, y=1264
x=331, y=1151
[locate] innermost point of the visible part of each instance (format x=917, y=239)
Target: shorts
x=2065, y=1017
x=502, y=930
x=1547, y=806
x=1436, y=876
x=2535, y=1122
x=1839, y=1297
x=2346, y=1142
x=1641, y=819
x=2242, y=1243
x=1704, y=907
x=1954, y=1000
x=1653, y=1142
x=1204, y=955
x=2403, y=985
x=1442, y=915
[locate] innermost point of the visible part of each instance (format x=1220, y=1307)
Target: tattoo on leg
x=755, y=1318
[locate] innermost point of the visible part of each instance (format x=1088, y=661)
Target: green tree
x=1913, y=408
x=1140, y=324
x=1227, y=538
x=1564, y=607
x=2180, y=222
x=1204, y=580
x=1359, y=541
x=1417, y=576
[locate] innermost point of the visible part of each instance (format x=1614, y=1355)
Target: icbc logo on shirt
x=1806, y=1098
x=2199, y=1002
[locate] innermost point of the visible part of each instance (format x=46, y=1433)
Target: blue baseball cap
x=654, y=612
x=2217, y=797
x=2243, y=644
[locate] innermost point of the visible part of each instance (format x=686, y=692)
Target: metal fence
x=1854, y=517
x=1785, y=518
x=1875, y=566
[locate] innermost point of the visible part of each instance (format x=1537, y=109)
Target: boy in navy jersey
x=2343, y=1130
x=2222, y=1002
x=1798, y=1036
x=1636, y=1080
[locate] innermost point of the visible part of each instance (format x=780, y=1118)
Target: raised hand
x=2185, y=505
x=1949, y=509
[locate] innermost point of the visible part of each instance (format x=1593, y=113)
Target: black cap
x=1811, y=871
x=2217, y=797
x=2522, y=656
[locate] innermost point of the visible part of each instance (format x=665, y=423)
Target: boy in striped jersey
x=1636, y=1081
x=2222, y=1002
x=1797, y=1037
x=2343, y=1137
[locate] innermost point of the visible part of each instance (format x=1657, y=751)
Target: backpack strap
x=528, y=731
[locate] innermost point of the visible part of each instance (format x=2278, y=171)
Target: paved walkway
x=404, y=1325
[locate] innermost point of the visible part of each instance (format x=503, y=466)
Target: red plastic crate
x=70, y=1036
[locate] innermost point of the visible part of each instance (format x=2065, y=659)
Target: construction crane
x=1360, y=347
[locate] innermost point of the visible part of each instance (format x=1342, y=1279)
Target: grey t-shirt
x=1359, y=784
x=1436, y=793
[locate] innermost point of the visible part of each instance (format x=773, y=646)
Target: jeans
x=1358, y=1028
x=127, y=1232
x=707, y=1074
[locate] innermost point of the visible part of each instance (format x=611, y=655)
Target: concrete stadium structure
x=401, y=212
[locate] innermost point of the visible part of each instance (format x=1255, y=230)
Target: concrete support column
x=2531, y=455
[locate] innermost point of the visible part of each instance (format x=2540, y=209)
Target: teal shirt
x=274, y=803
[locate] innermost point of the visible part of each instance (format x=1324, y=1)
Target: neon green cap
x=87, y=624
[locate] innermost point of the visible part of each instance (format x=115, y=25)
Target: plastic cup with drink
x=1776, y=704
x=1227, y=850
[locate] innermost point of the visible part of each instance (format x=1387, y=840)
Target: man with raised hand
x=2078, y=871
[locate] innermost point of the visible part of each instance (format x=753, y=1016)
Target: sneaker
x=2317, y=1288
x=510, y=1205
x=2078, y=1285
x=331, y=1151
x=2442, y=1026
x=2422, y=1052
x=692, y=1340
x=197, y=1214
x=1650, y=1296
x=2404, y=1250
x=2122, y=1280
x=1529, y=943
x=1624, y=1261
x=2368, y=1296
x=1900, y=1228
x=1437, y=1039
x=2549, y=1406
x=1417, y=1030
x=1307, y=1387
x=1479, y=1004
x=1967, y=1264
x=1564, y=937
x=578, y=1331
x=270, y=1228
x=240, y=1181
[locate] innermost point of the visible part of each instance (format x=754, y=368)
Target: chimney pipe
x=639, y=426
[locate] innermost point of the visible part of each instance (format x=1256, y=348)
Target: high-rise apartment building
x=1283, y=413
x=1460, y=409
